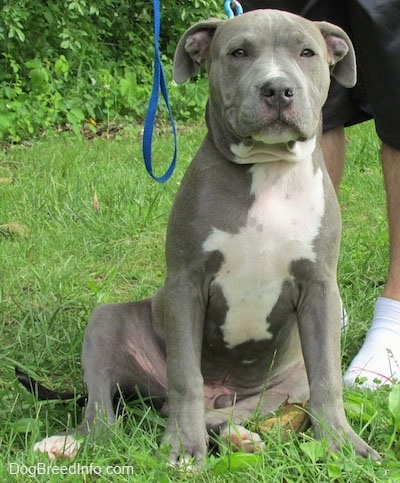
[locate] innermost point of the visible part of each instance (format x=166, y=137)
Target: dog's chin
x=279, y=133
x=258, y=151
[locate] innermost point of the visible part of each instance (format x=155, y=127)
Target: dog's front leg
x=184, y=312
x=320, y=328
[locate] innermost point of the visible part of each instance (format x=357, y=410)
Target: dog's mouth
x=253, y=151
x=280, y=130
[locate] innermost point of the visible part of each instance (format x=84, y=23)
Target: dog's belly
x=281, y=227
x=245, y=370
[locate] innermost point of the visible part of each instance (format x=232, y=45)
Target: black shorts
x=374, y=27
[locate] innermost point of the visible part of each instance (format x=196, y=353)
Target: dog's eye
x=239, y=53
x=307, y=53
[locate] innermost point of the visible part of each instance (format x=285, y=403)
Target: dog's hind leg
x=121, y=352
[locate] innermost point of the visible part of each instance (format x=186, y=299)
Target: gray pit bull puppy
x=249, y=316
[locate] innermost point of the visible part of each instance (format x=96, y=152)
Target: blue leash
x=159, y=83
x=232, y=8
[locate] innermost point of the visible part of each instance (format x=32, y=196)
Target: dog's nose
x=278, y=92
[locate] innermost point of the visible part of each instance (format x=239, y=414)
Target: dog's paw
x=241, y=439
x=186, y=436
x=61, y=446
x=186, y=458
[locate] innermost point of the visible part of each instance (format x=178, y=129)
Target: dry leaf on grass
x=290, y=417
x=14, y=228
x=96, y=204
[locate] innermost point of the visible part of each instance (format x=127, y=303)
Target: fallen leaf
x=96, y=204
x=290, y=417
x=14, y=228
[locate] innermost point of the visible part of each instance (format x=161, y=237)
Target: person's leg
x=379, y=357
x=333, y=143
x=391, y=173
x=376, y=38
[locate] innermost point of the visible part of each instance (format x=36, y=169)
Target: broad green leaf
x=394, y=405
x=236, y=462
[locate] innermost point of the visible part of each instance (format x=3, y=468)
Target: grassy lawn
x=81, y=223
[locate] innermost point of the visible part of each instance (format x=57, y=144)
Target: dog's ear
x=193, y=49
x=341, y=54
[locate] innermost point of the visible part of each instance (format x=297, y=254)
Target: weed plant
x=72, y=64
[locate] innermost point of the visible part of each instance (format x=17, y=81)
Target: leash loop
x=232, y=8
x=159, y=85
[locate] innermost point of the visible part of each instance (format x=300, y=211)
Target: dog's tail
x=45, y=394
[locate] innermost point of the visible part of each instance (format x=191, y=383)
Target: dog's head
x=269, y=72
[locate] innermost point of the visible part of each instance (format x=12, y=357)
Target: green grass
x=62, y=254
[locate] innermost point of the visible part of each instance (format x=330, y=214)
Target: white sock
x=378, y=361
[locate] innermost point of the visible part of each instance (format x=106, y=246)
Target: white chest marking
x=281, y=226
